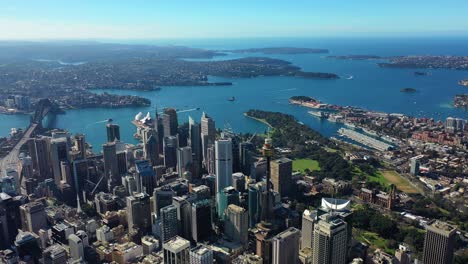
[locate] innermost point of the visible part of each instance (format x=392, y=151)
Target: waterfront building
x=201, y=220
x=139, y=213
x=169, y=121
x=171, y=143
x=177, y=251
x=223, y=157
x=439, y=243
x=286, y=246
x=281, y=176
x=330, y=240
x=33, y=217
x=113, y=132
x=169, y=223
x=201, y=255
x=309, y=218
x=236, y=225
x=184, y=162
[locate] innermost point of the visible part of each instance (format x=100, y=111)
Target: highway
x=12, y=157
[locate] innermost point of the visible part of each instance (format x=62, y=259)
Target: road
x=12, y=157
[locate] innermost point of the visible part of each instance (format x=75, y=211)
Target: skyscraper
x=176, y=251
x=80, y=173
x=111, y=169
x=308, y=221
x=184, y=162
x=113, y=132
x=208, y=133
x=162, y=198
x=281, y=173
x=170, y=145
x=146, y=178
x=80, y=145
x=237, y=224
x=414, y=166
x=286, y=246
x=227, y=196
x=150, y=146
x=330, y=240
x=170, y=124
x=439, y=243
x=246, y=150
x=58, y=153
x=210, y=160
x=201, y=220
x=76, y=247
x=33, y=217
x=168, y=217
x=195, y=143
x=223, y=157
x=139, y=213
x=43, y=157
x=184, y=215
x=201, y=255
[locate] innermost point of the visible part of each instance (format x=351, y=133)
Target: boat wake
x=188, y=110
x=285, y=90
x=348, y=77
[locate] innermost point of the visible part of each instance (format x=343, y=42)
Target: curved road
x=12, y=156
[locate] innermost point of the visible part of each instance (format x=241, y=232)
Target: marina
x=365, y=140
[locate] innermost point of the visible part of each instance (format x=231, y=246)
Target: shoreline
x=263, y=121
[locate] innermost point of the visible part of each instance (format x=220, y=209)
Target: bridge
x=43, y=108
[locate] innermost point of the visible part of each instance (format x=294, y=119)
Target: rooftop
x=177, y=244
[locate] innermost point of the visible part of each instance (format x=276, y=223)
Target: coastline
x=259, y=120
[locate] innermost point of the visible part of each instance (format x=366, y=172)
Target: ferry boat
x=318, y=114
x=349, y=125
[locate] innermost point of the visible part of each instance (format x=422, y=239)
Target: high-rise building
x=308, y=221
x=208, y=134
x=146, y=178
x=80, y=174
x=111, y=169
x=210, y=160
x=113, y=132
x=201, y=255
x=169, y=120
x=139, y=213
x=43, y=157
x=33, y=217
x=286, y=246
x=196, y=144
x=169, y=227
x=54, y=254
x=255, y=203
x=176, y=251
x=238, y=181
x=162, y=197
x=184, y=162
x=439, y=243
x=105, y=202
x=237, y=224
x=330, y=240
x=414, y=166
x=201, y=220
x=171, y=144
x=58, y=153
x=76, y=247
x=281, y=176
x=80, y=145
x=151, y=145
x=10, y=218
x=227, y=196
x=403, y=255
x=246, y=151
x=184, y=215
x=223, y=155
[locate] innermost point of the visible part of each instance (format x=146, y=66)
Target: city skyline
x=52, y=19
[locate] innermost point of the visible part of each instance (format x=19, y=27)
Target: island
x=408, y=90
x=280, y=50
x=461, y=100
x=463, y=82
x=355, y=57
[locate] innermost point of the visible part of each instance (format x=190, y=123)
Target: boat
x=232, y=99
x=110, y=120
x=351, y=125
x=198, y=108
x=318, y=114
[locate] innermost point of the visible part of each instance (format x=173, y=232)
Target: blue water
x=372, y=87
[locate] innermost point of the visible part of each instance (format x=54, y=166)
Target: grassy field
x=378, y=177
x=302, y=164
x=401, y=183
x=373, y=240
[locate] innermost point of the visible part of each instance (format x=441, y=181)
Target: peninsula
x=463, y=82
x=427, y=62
x=280, y=50
x=355, y=57
x=461, y=100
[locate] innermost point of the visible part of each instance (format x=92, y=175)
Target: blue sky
x=139, y=19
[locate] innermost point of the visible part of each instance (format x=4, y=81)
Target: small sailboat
x=232, y=99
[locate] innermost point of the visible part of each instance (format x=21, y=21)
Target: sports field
x=401, y=183
x=302, y=164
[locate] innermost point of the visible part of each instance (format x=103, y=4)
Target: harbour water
x=372, y=87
